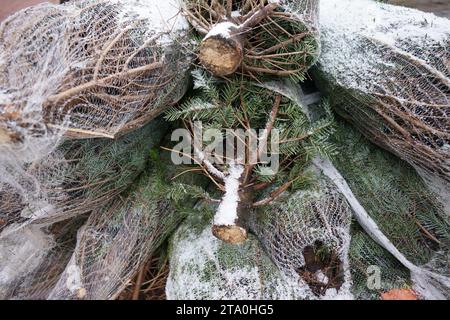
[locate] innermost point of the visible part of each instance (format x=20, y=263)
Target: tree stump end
x=231, y=234
x=221, y=56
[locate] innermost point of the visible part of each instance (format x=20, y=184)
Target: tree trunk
x=222, y=50
x=238, y=232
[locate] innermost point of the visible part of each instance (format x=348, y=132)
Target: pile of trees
x=256, y=199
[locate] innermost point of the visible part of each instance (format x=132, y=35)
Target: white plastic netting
x=386, y=70
x=306, y=248
x=427, y=284
x=284, y=41
x=307, y=235
x=403, y=208
x=21, y=252
x=118, y=239
x=106, y=252
x=85, y=69
x=79, y=176
x=204, y=267
x=33, y=258
x=90, y=68
x=405, y=225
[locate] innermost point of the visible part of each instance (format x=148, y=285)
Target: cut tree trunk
x=222, y=52
x=256, y=37
x=238, y=232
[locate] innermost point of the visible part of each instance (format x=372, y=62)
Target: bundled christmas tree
x=255, y=37
x=91, y=68
x=261, y=193
x=110, y=246
x=85, y=69
x=403, y=208
x=118, y=239
x=385, y=69
x=74, y=179
x=252, y=167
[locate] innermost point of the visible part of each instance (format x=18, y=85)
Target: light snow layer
x=222, y=29
x=374, y=49
x=203, y=267
x=188, y=278
x=384, y=22
x=164, y=16
x=227, y=212
x=346, y=24
x=199, y=269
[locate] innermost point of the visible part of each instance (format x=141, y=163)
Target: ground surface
x=10, y=6
x=440, y=7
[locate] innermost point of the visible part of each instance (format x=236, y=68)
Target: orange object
x=399, y=294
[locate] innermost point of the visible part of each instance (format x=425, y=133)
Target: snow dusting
x=196, y=261
x=164, y=16
x=350, y=27
x=227, y=212
x=222, y=29
x=203, y=267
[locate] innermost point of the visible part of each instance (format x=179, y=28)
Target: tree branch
x=263, y=139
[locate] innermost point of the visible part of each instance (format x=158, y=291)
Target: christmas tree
x=224, y=149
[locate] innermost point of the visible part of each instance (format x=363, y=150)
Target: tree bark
x=222, y=50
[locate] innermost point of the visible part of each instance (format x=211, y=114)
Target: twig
x=263, y=139
x=274, y=195
x=137, y=286
x=88, y=85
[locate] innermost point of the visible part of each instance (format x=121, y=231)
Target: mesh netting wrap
x=405, y=211
x=33, y=258
x=85, y=69
x=386, y=70
x=204, y=267
x=368, y=259
x=20, y=253
x=307, y=235
x=402, y=195
x=92, y=67
x=77, y=177
x=255, y=37
x=119, y=238
x=428, y=284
